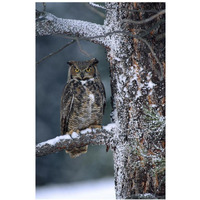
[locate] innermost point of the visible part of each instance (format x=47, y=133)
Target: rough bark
x=138, y=104
x=137, y=66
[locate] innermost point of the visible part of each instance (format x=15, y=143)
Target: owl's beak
x=82, y=75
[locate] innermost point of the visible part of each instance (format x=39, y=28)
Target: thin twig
x=147, y=31
x=134, y=10
x=161, y=75
x=81, y=50
x=53, y=53
x=97, y=5
x=106, y=44
x=44, y=6
x=93, y=9
x=145, y=20
x=131, y=10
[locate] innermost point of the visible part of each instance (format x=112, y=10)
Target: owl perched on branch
x=83, y=100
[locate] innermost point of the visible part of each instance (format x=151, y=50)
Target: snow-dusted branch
x=88, y=136
x=97, y=5
x=49, y=24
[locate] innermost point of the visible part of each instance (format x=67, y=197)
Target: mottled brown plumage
x=83, y=100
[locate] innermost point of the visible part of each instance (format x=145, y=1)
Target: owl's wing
x=66, y=106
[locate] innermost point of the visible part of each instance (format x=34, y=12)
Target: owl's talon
x=70, y=132
x=95, y=126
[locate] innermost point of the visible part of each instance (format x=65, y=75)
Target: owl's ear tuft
x=94, y=61
x=70, y=62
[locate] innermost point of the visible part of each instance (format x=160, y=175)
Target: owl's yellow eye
x=88, y=70
x=76, y=70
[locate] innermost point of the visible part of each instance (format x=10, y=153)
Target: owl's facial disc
x=82, y=70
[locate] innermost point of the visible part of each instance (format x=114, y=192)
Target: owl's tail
x=77, y=151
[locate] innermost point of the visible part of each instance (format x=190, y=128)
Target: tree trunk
x=134, y=37
x=138, y=102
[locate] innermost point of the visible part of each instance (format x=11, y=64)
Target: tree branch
x=93, y=9
x=53, y=53
x=49, y=24
x=81, y=50
x=160, y=74
x=145, y=20
x=97, y=5
x=44, y=6
x=88, y=136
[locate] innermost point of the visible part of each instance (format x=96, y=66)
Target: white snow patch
x=126, y=92
x=75, y=135
x=151, y=84
x=53, y=141
x=67, y=136
x=122, y=78
x=49, y=17
x=96, y=5
x=138, y=94
x=102, y=189
x=83, y=132
x=117, y=59
x=134, y=77
x=149, y=75
x=109, y=127
x=115, y=117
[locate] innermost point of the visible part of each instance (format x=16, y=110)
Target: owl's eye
x=76, y=70
x=88, y=70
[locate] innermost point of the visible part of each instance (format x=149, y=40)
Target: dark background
x=51, y=77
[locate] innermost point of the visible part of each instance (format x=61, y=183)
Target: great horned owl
x=83, y=100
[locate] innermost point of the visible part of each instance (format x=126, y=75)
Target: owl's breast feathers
x=82, y=104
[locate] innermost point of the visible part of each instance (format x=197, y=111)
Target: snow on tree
x=134, y=37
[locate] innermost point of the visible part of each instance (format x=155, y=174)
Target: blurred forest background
x=51, y=77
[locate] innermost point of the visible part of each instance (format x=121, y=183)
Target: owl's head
x=84, y=70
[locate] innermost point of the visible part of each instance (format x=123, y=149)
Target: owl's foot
x=70, y=132
x=95, y=126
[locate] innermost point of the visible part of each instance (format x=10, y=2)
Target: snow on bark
x=110, y=127
x=74, y=135
x=55, y=140
x=68, y=142
x=96, y=5
x=139, y=153
x=118, y=55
